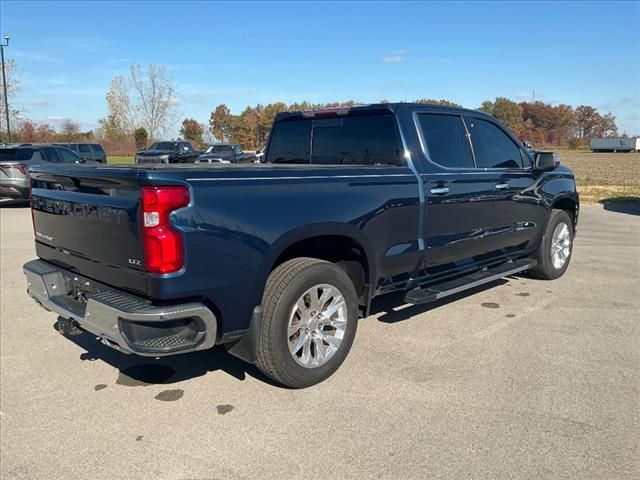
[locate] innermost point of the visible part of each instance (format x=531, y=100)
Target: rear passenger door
x=84, y=150
x=459, y=219
x=517, y=210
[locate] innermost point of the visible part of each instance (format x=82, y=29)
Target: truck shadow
x=395, y=309
x=137, y=371
x=628, y=205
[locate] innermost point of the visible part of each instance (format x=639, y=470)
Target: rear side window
x=50, y=154
x=493, y=148
x=84, y=148
x=9, y=155
x=98, y=148
x=366, y=140
x=446, y=140
x=290, y=142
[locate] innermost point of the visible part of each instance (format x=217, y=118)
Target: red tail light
x=163, y=249
x=22, y=168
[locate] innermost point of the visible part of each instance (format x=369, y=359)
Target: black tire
x=545, y=269
x=286, y=284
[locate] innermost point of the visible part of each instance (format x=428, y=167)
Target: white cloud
x=55, y=118
x=393, y=59
x=36, y=56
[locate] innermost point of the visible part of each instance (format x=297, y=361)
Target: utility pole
x=4, y=86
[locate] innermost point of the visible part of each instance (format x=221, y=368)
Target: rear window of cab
x=349, y=140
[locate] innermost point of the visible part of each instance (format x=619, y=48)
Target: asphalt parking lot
x=528, y=379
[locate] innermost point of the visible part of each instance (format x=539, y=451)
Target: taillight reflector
x=163, y=248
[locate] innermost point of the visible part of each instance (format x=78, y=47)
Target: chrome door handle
x=439, y=190
x=502, y=186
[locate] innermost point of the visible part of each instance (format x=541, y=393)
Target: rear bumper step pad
x=125, y=322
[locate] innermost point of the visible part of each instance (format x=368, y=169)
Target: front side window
x=68, y=156
x=172, y=146
x=446, y=140
x=492, y=147
x=290, y=142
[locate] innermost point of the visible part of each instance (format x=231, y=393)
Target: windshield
x=8, y=155
x=164, y=146
x=222, y=151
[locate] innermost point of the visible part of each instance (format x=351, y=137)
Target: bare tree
x=69, y=130
x=157, y=97
x=146, y=98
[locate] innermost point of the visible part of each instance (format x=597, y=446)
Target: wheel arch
x=334, y=242
x=570, y=204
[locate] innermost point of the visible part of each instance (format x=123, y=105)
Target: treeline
x=552, y=125
x=142, y=108
x=67, y=132
x=540, y=123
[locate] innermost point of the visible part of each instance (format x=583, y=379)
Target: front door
x=517, y=210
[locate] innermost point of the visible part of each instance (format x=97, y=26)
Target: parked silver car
x=15, y=161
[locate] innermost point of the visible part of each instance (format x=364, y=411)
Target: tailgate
x=87, y=221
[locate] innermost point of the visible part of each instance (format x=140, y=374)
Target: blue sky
x=244, y=53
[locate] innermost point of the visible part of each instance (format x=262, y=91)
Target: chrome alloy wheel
x=560, y=245
x=317, y=325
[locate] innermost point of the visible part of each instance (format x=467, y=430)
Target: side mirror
x=547, y=160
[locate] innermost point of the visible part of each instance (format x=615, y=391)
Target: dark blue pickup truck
x=277, y=261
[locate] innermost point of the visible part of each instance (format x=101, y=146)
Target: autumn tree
x=505, y=110
x=45, y=133
x=246, y=128
x=141, y=137
x=443, y=102
x=607, y=126
x=587, y=118
x=221, y=123
x=192, y=131
x=27, y=132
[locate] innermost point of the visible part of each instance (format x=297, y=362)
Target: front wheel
x=555, y=248
x=309, y=322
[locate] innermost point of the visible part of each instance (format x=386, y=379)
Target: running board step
x=436, y=292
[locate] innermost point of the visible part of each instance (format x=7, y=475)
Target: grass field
x=115, y=160
x=600, y=177
x=603, y=177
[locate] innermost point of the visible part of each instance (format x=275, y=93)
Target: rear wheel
x=309, y=322
x=555, y=249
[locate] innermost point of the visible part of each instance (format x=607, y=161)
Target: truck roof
x=373, y=109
